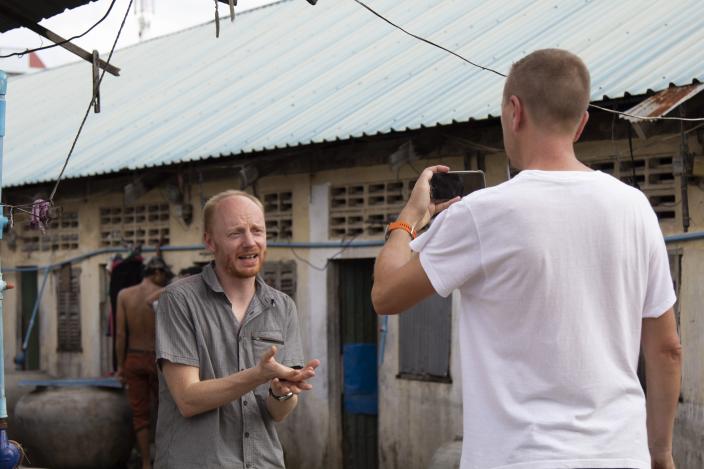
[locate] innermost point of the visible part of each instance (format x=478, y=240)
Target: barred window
x=278, y=207
x=140, y=224
x=654, y=175
x=425, y=335
x=62, y=233
x=68, y=294
x=281, y=275
x=364, y=209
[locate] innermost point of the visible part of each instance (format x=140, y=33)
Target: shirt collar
x=262, y=290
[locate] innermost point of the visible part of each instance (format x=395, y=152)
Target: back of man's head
x=553, y=86
x=155, y=265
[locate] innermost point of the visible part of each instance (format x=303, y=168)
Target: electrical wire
x=647, y=118
x=27, y=51
x=90, y=105
x=633, y=116
x=345, y=246
x=428, y=41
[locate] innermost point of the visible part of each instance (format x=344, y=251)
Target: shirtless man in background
x=135, y=348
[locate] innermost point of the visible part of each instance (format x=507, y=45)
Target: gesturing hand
x=282, y=387
x=269, y=369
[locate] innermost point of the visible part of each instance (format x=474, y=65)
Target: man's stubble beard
x=231, y=269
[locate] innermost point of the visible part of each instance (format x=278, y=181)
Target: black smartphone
x=446, y=186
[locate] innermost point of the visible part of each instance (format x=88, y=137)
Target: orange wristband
x=400, y=225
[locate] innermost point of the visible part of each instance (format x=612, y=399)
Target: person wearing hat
x=135, y=348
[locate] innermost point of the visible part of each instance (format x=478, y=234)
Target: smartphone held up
x=446, y=186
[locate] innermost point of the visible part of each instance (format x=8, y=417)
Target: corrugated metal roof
x=293, y=74
x=35, y=10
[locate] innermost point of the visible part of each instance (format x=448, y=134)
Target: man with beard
x=229, y=351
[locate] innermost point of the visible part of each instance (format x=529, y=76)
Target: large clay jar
x=75, y=427
x=14, y=392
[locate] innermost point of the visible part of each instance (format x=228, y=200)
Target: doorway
x=358, y=355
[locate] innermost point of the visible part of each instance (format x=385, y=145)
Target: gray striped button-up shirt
x=195, y=326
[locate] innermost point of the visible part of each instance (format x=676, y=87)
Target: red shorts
x=139, y=372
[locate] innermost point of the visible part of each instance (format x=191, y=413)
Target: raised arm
x=663, y=361
x=399, y=279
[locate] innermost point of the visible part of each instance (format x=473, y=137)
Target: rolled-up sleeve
x=175, y=333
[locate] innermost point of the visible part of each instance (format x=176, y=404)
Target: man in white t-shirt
x=562, y=274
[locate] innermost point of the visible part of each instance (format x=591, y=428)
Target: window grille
x=654, y=175
x=425, y=335
x=278, y=207
x=281, y=275
x=140, y=224
x=61, y=234
x=68, y=294
x=364, y=209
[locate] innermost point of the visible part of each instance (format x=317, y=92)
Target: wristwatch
x=285, y=397
x=399, y=225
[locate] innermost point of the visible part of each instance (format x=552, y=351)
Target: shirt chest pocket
x=262, y=342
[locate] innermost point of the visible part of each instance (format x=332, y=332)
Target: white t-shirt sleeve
x=450, y=251
x=660, y=292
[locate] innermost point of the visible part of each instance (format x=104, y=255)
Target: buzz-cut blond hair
x=553, y=86
x=211, y=205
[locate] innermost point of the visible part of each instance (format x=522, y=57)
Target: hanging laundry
x=40, y=215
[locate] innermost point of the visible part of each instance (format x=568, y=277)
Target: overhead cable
x=90, y=105
x=488, y=69
x=27, y=51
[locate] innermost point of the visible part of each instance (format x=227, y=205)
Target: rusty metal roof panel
x=660, y=104
x=294, y=74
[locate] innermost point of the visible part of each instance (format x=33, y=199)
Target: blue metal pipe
x=10, y=453
x=276, y=245
x=200, y=247
x=684, y=237
x=3, y=285
x=3, y=402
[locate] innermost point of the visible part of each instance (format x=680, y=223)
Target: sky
x=166, y=16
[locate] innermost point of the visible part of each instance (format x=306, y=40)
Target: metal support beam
x=52, y=36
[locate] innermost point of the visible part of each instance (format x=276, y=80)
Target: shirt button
x=244, y=402
x=246, y=435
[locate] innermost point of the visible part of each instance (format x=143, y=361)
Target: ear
x=517, y=113
x=580, y=127
x=208, y=241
